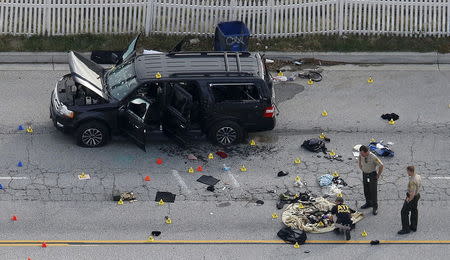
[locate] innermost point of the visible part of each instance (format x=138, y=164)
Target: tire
x=92, y=134
x=226, y=133
x=315, y=76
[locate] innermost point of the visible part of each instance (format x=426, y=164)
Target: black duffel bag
x=292, y=236
x=314, y=145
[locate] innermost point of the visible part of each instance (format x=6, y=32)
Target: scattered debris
x=223, y=204
x=325, y=180
x=208, y=180
x=192, y=157
x=314, y=145
x=306, y=251
x=380, y=149
x=288, y=198
x=282, y=173
x=391, y=116
x=165, y=196
x=292, y=236
x=210, y=188
x=259, y=202
x=226, y=168
x=222, y=154
x=313, y=216
x=375, y=242
x=125, y=196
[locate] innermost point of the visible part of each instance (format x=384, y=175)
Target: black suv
x=222, y=94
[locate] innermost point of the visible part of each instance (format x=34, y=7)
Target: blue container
x=231, y=36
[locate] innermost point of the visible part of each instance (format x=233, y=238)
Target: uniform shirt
x=343, y=214
x=369, y=164
x=414, y=184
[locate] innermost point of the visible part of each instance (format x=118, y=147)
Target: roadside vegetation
x=348, y=43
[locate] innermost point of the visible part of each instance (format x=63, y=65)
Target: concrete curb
x=350, y=57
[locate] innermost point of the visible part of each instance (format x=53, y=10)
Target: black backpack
x=292, y=236
x=314, y=145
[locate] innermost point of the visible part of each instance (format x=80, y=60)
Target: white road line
x=180, y=181
x=234, y=181
x=13, y=178
x=440, y=178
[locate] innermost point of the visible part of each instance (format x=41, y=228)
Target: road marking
x=12, y=178
x=234, y=181
x=5, y=243
x=180, y=181
x=440, y=178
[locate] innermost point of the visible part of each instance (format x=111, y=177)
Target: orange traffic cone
x=14, y=218
x=199, y=168
x=159, y=161
x=147, y=178
x=44, y=244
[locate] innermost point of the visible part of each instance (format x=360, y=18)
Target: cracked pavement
x=52, y=161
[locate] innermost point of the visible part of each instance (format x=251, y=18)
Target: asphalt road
x=52, y=204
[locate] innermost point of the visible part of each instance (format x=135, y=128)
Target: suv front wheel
x=226, y=133
x=92, y=134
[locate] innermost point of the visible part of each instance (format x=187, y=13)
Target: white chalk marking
x=180, y=181
x=234, y=181
x=441, y=178
x=13, y=178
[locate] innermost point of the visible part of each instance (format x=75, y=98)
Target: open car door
x=177, y=111
x=132, y=120
x=129, y=53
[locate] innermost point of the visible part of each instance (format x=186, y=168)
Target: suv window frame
x=260, y=97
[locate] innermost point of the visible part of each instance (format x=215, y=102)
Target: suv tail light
x=269, y=112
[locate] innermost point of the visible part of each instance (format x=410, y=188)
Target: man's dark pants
x=370, y=189
x=407, y=207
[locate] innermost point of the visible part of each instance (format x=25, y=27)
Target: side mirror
x=114, y=58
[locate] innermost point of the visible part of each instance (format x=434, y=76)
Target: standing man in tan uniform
x=410, y=204
x=368, y=163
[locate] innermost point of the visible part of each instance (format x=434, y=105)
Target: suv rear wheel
x=226, y=133
x=92, y=134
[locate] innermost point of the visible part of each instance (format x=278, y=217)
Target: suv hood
x=87, y=73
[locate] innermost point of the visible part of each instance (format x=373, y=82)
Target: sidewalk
x=351, y=57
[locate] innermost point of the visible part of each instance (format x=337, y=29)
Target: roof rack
x=209, y=73
x=216, y=53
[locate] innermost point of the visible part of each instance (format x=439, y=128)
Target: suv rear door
x=177, y=107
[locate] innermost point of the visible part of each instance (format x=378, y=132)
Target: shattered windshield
x=121, y=80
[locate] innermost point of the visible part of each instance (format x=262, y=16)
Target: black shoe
x=403, y=232
x=375, y=211
x=365, y=206
x=413, y=229
x=347, y=235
